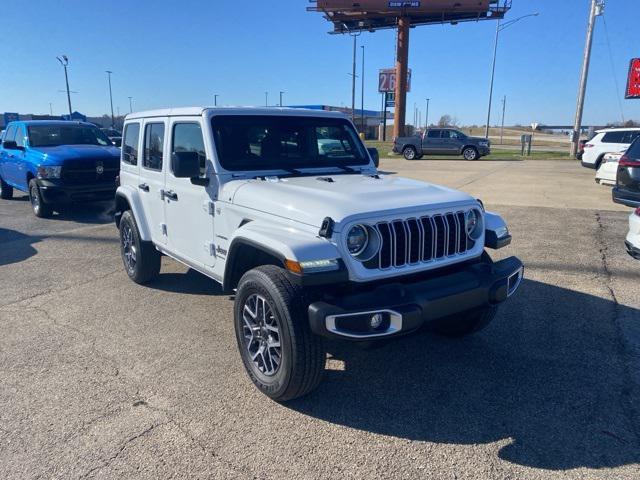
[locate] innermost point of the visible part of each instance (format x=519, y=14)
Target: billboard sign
x=633, y=83
x=387, y=80
x=11, y=117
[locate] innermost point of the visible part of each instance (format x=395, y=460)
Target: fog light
x=376, y=321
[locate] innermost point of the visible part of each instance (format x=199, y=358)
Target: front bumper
x=626, y=197
x=484, y=151
x=54, y=192
x=631, y=250
x=405, y=307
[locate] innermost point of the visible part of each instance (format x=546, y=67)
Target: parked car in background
x=627, y=189
x=114, y=135
x=633, y=238
x=57, y=162
x=608, y=171
x=606, y=141
x=580, y=151
x=442, y=141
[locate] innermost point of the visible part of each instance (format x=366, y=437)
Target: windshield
x=56, y=135
x=274, y=142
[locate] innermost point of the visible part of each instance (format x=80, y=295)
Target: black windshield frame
x=241, y=143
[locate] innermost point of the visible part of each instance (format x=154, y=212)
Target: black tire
x=410, y=153
x=141, y=259
x=297, y=367
x=470, y=153
x=466, y=323
x=6, y=190
x=40, y=209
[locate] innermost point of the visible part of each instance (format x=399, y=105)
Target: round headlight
x=357, y=240
x=473, y=224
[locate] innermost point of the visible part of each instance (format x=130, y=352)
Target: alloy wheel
x=129, y=248
x=261, y=334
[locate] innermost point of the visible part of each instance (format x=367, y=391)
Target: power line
x=613, y=69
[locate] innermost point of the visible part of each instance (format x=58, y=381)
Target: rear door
x=189, y=207
x=7, y=156
x=19, y=164
x=152, y=176
x=432, y=143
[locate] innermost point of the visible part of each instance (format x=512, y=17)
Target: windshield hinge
x=212, y=209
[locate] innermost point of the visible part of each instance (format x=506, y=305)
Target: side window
x=447, y=134
x=613, y=137
x=20, y=138
x=630, y=136
x=187, y=137
x=433, y=134
x=10, y=133
x=130, y=143
x=153, y=146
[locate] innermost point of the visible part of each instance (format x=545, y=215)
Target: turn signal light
x=637, y=212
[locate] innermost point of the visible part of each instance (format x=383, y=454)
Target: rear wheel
x=6, y=191
x=141, y=259
x=40, y=209
x=281, y=355
x=466, y=323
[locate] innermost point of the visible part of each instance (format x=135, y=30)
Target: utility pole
x=504, y=107
x=426, y=120
x=597, y=9
x=362, y=94
x=64, y=61
x=51, y=109
x=215, y=99
x=355, y=36
x=113, y=120
x=402, y=73
x=266, y=99
x=130, y=104
x=281, y=94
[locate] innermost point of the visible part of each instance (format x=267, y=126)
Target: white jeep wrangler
x=286, y=208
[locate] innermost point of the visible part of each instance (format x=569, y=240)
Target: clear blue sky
x=176, y=53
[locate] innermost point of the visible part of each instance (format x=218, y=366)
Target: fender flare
x=131, y=198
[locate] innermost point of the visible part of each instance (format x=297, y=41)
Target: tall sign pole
x=596, y=9
x=402, y=71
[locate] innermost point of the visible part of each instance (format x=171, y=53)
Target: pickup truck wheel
x=6, y=191
x=410, y=153
x=466, y=323
x=141, y=259
x=281, y=355
x=470, y=153
x=40, y=209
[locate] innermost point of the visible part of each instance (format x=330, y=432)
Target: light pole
x=597, y=9
x=355, y=36
x=130, y=104
x=113, y=120
x=499, y=27
x=51, y=109
x=281, y=94
x=266, y=99
x=426, y=120
x=504, y=108
x=64, y=61
x=215, y=99
x=362, y=94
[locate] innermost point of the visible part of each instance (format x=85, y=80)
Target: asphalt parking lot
x=101, y=378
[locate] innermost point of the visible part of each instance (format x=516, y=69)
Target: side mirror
x=187, y=165
x=11, y=145
x=375, y=155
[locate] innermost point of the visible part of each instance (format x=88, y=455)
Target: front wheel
x=410, y=153
x=6, y=191
x=470, y=153
x=40, y=209
x=466, y=323
x=281, y=355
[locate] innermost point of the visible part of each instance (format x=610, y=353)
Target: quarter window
x=130, y=144
x=187, y=137
x=153, y=146
x=613, y=137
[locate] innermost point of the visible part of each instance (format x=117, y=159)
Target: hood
x=62, y=153
x=478, y=139
x=309, y=199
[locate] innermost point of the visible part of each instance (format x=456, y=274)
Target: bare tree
x=445, y=120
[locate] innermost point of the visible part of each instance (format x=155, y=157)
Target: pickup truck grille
x=420, y=240
x=87, y=172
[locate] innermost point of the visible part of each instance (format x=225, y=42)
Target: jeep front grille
x=413, y=241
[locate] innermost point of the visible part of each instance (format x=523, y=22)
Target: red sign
x=633, y=84
x=387, y=80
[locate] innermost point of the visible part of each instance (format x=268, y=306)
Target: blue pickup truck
x=56, y=163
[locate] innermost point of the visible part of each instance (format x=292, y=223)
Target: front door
x=152, y=177
x=189, y=207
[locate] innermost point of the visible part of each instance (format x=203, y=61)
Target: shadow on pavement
x=190, y=282
x=546, y=380
x=88, y=213
x=16, y=246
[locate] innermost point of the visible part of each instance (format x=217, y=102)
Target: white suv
x=314, y=242
x=607, y=141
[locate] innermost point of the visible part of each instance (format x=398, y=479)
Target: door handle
x=144, y=187
x=171, y=195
